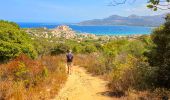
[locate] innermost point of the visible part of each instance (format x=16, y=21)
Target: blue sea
x=97, y=30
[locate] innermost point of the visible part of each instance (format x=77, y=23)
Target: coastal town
x=64, y=31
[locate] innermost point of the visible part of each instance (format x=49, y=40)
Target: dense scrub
x=21, y=77
x=14, y=41
x=24, y=78
x=26, y=71
x=83, y=47
x=159, y=55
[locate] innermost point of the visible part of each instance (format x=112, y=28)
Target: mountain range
x=132, y=20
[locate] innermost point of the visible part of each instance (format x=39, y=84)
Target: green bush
x=60, y=49
x=131, y=73
x=89, y=49
x=14, y=41
x=159, y=56
x=77, y=49
x=114, y=47
x=136, y=48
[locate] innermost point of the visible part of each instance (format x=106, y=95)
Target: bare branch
x=162, y=4
x=119, y=3
x=115, y=3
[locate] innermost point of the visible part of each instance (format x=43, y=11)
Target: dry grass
x=24, y=78
x=84, y=60
x=157, y=94
x=94, y=63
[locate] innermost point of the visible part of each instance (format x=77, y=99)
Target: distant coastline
x=132, y=20
x=114, y=25
x=115, y=30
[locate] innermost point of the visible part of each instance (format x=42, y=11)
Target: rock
x=64, y=31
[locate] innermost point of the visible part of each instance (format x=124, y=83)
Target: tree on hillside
x=14, y=41
x=153, y=4
x=159, y=56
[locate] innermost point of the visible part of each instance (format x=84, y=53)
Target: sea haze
x=98, y=30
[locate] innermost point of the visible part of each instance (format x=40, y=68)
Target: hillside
x=132, y=20
x=33, y=64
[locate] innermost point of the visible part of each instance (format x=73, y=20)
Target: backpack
x=69, y=57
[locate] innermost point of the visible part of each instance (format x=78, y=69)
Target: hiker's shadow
x=112, y=94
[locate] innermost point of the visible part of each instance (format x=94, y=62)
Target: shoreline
x=114, y=34
x=69, y=33
x=96, y=34
x=59, y=24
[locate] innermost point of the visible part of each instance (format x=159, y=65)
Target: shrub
x=136, y=48
x=114, y=47
x=159, y=55
x=14, y=41
x=60, y=49
x=77, y=49
x=23, y=78
x=95, y=63
x=131, y=73
x=89, y=49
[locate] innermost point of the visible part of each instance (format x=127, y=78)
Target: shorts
x=69, y=63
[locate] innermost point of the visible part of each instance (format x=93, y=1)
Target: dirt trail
x=83, y=86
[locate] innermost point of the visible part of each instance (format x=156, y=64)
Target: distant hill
x=132, y=20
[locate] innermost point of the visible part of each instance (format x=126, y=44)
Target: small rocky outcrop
x=64, y=31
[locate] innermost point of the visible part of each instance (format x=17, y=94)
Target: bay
x=97, y=30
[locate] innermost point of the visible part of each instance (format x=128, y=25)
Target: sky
x=69, y=11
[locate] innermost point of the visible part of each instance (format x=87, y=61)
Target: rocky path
x=83, y=86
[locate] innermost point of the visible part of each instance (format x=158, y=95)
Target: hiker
x=69, y=57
